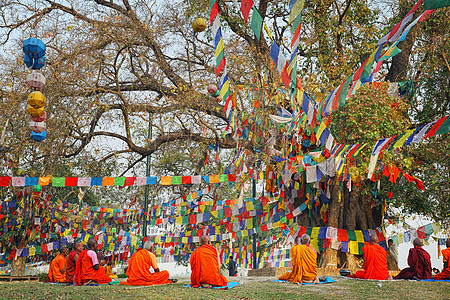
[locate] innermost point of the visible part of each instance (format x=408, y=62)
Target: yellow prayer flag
x=166, y=180
x=400, y=239
x=107, y=181
x=353, y=247
x=359, y=236
x=268, y=31
x=32, y=251
x=320, y=130
x=111, y=247
x=179, y=221
x=43, y=181
x=315, y=232
x=214, y=179
x=403, y=139
x=244, y=233
x=314, y=243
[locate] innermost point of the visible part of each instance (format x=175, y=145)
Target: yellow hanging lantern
x=36, y=99
x=199, y=25
x=35, y=112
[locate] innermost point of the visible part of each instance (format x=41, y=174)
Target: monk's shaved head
x=447, y=243
x=418, y=242
x=305, y=239
x=91, y=244
x=64, y=251
x=374, y=239
x=204, y=240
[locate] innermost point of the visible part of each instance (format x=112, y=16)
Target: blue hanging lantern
x=34, y=48
x=38, y=136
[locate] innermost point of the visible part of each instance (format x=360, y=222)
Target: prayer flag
x=246, y=5
x=256, y=23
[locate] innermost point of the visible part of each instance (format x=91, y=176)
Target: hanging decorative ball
x=40, y=119
x=199, y=24
x=33, y=48
x=216, y=94
x=37, y=188
x=37, y=127
x=39, y=136
x=212, y=88
x=35, y=81
x=219, y=99
x=35, y=112
x=36, y=99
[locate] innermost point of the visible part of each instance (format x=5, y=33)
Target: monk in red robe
x=304, y=263
x=375, y=262
x=205, y=265
x=139, y=268
x=58, y=267
x=419, y=262
x=445, y=274
x=88, y=269
x=71, y=261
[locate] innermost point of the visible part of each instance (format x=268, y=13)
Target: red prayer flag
x=214, y=10
x=71, y=181
x=435, y=127
x=246, y=6
x=186, y=179
x=342, y=235
x=129, y=181
x=4, y=181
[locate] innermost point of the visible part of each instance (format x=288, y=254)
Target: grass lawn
x=252, y=288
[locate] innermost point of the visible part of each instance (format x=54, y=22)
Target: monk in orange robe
x=71, y=261
x=375, y=262
x=88, y=269
x=445, y=274
x=205, y=265
x=58, y=267
x=139, y=268
x=304, y=263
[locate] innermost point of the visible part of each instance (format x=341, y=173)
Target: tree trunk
x=18, y=266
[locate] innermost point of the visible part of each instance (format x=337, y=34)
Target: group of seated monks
x=82, y=267
x=304, y=263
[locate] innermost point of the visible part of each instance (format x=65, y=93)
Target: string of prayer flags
x=114, y=181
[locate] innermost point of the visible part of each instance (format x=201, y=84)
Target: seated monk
x=58, y=267
x=419, y=262
x=138, y=270
x=88, y=269
x=375, y=262
x=205, y=265
x=445, y=274
x=71, y=261
x=304, y=263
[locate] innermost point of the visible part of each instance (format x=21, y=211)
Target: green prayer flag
x=223, y=178
x=445, y=127
x=343, y=95
x=185, y=220
x=176, y=180
x=394, y=52
x=360, y=246
x=119, y=181
x=351, y=235
x=257, y=22
x=59, y=181
x=320, y=244
x=433, y=4
x=38, y=250
x=308, y=231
